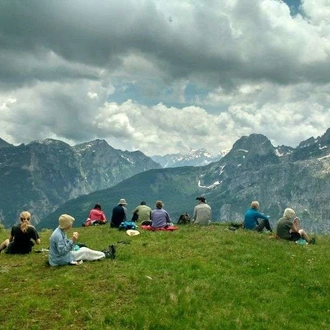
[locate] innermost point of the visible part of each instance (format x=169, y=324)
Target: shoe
x=109, y=255
x=83, y=224
x=312, y=241
x=112, y=250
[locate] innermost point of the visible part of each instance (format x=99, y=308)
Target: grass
x=192, y=278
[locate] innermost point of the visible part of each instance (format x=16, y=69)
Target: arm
x=64, y=245
x=34, y=235
x=262, y=216
x=295, y=225
x=125, y=213
x=168, y=219
x=195, y=214
x=12, y=235
x=103, y=216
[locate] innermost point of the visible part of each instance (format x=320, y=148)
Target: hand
x=75, y=236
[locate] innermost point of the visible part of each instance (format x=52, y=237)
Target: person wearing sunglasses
x=22, y=238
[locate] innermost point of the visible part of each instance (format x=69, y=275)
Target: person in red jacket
x=96, y=217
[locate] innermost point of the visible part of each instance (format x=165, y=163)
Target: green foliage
x=192, y=278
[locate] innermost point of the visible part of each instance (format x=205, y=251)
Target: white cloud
x=162, y=76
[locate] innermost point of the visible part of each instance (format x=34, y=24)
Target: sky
x=164, y=76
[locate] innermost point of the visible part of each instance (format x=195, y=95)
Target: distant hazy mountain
x=199, y=157
x=42, y=175
x=279, y=177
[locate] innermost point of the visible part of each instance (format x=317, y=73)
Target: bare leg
x=4, y=244
x=303, y=235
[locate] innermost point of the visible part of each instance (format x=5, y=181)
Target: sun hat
x=131, y=232
x=122, y=201
x=65, y=221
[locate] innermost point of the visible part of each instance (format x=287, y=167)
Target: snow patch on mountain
x=196, y=157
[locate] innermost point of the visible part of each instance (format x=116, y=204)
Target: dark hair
x=143, y=203
x=159, y=204
x=98, y=207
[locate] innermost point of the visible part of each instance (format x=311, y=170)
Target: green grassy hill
x=192, y=278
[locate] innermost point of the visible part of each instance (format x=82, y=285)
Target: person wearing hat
x=202, y=212
x=62, y=251
x=118, y=214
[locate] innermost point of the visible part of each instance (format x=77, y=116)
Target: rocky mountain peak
x=307, y=143
x=254, y=144
x=4, y=144
x=324, y=140
x=251, y=152
x=98, y=144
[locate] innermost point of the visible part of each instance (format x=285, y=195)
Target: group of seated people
x=159, y=218
x=288, y=227
x=63, y=251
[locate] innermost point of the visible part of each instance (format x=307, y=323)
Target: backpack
x=127, y=225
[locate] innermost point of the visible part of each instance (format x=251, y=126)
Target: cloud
x=164, y=76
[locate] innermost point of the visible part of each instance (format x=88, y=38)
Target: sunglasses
x=25, y=219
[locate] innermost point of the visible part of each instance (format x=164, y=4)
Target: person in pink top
x=96, y=217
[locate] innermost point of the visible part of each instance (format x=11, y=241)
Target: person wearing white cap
x=62, y=250
x=118, y=214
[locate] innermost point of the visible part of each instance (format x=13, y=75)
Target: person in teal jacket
x=251, y=217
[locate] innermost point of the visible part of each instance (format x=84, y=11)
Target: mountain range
x=199, y=157
x=42, y=175
x=278, y=177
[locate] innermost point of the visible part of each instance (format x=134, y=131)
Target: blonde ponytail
x=25, y=217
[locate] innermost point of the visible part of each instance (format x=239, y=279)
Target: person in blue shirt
x=62, y=251
x=251, y=219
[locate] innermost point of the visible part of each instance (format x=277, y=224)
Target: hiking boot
x=112, y=251
x=312, y=241
x=108, y=255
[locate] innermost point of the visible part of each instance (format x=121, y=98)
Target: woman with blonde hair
x=22, y=236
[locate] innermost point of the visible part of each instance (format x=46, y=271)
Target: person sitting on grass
x=288, y=227
x=96, y=217
x=119, y=213
x=141, y=213
x=251, y=219
x=22, y=238
x=159, y=217
x=202, y=212
x=62, y=250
